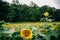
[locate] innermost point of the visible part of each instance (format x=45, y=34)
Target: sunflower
x=42, y=30
x=46, y=14
x=50, y=24
x=52, y=28
x=15, y=29
x=26, y=33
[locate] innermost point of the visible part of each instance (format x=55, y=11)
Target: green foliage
x=16, y=12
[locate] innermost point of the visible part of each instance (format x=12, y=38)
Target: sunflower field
x=45, y=30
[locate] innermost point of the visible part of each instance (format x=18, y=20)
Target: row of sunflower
x=43, y=32
x=29, y=33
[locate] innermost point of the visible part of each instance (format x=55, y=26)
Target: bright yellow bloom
x=26, y=33
x=52, y=28
x=42, y=30
x=46, y=14
x=50, y=24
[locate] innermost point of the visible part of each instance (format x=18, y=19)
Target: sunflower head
x=50, y=24
x=52, y=28
x=26, y=33
x=42, y=30
x=15, y=29
x=46, y=14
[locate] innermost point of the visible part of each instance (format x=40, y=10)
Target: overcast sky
x=52, y=3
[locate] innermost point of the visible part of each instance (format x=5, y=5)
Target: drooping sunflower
x=43, y=30
x=46, y=14
x=26, y=33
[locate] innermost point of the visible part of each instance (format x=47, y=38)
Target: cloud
x=52, y=3
x=57, y=1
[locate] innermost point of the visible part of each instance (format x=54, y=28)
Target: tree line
x=16, y=12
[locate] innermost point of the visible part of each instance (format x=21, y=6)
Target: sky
x=52, y=3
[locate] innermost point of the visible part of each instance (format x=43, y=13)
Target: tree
x=16, y=12
x=4, y=9
x=57, y=15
